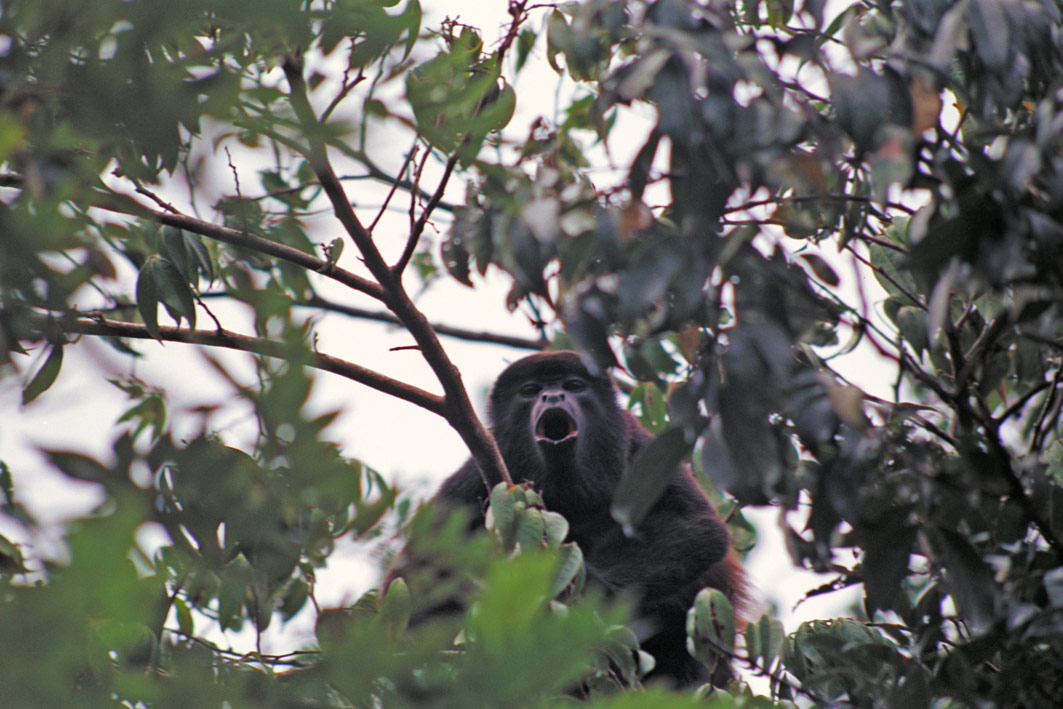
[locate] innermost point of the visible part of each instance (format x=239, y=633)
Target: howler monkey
x=560, y=428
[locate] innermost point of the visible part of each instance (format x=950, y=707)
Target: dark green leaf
x=148, y=298
x=45, y=376
x=885, y=564
x=822, y=269
x=969, y=579
x=80, y=466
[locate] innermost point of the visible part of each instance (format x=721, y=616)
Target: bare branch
x=418, y=228
x=394, y=187
x=375, y=173
x=102, y=327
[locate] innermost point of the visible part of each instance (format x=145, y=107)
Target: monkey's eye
x=530, y=389
x=574, y=385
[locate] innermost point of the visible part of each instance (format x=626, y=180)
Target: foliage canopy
x=886, y=180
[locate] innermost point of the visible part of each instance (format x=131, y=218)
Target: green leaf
x=173, y=248
x=411, y=16
x=369, y=514
x=171, y=289
x=653, y=410
x=230, y=605
x=557, y=38
x=395, y=610
x=530, y=528
x=764, y=640
x=45, y=376
x=888, y=264
x=968, y=578
x=556, y=528
x=525, y=42
x=7, y=486
x=185, y=623
x=570, y=569
x=456, y=256
x=710, y=626
x=332, y=254
x=148, y=298
x=502, y=515
x=11, y=560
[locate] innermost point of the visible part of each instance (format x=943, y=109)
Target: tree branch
x=123, y=204
x=524, y=343
x=101, y=327
x=459, y=411
x=418, y=228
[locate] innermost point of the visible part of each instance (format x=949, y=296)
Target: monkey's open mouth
x=555, y=425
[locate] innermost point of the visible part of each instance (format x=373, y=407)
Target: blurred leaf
x=711, y=626
x=79, y=466
x=11, y=561
x=764, y=640
x=969, y=579
x=45, y=376
x=395, y=609
x=891, y=275
x=887, y=547
x=185, y=622
x=556, y=528
x=822, y=269
x=570, y=570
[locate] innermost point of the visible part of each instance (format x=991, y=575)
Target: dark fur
x=681, y=546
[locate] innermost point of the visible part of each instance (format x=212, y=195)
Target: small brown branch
x=101, y=327
x=394, y=187
x=375, y=173
x=458, y=409
x=1020, y=403
x=797, y=199
x=418, y=228
x=911, y=296
x=122, y=204
x=976, y=354
x=518, y=11
x=345, y=89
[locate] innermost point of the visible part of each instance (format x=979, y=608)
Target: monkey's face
x=560, y=428
x=556, y=413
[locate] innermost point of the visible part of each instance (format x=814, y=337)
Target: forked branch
x=459, y=411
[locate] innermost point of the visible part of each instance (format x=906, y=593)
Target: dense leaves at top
x=886, y=182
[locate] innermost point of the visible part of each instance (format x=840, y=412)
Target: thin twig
x=418, y=228
x=394, y=187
